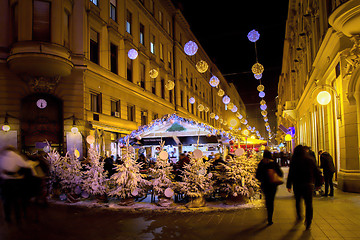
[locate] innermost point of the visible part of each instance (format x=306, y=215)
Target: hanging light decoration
x=230, y=106
x=190, y=48
x=214, y=81
x=242, y=121
x=253, y=35
x=266, y=119
x=207, y=109
x=258, y=76
x=260, y=88
x=261, y=94
x=221, y=120
x=264, y=113
x=246, y=122
x=170, y=85
x=216, y=117
x=212, y=115
x=263, y=107
x=225, y=123
x=226, y=99
x=248, y=127
x=257, y=68
x=192, y=100
x=132, y=54
x=238, y=115
x=201, y=107
x=220, y=93
x=153, y=73
x=323, y=98
x=202, y=66
x=262, y=102
x=233, y=122
x=267, y=124
x=234, y=109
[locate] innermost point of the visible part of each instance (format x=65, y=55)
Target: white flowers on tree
x=127, y=181
x=95, y=181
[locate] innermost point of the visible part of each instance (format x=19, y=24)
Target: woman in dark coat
x=269, y=189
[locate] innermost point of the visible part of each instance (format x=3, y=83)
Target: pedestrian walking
x=266, y=167
x=327, y=164
x=303, y=174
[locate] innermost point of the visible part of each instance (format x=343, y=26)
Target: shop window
x=142, y=34
x=94, y=46
x=113, y=10
x=113, y=58
x=128, y=21
x=41, y=21
x=131, y=113
x=95, y=101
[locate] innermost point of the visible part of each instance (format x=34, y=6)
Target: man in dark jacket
x=303, y=174
x=327, y=164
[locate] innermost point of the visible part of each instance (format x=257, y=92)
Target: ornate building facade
x=321, y=53
x=65, y=63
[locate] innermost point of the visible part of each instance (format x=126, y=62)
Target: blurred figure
x=309, y=152
x=269, y=189
x=12, y=181
x=327, y=164
x=109, y=166
x=183, y=159
x=303, y=174
x=142, y=160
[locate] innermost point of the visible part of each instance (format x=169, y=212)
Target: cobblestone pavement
x=334, y=218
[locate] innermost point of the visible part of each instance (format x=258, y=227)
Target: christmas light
x=132, y=54
x=226, y=99
x=258, y=76
x=234, y=109
x=202, y=66
x=170, y=85
x=260, y=88
x=257, y=68
x=323, y=98
x=263, y=107
x=220, y=93
x=192, y=100
x=153, y=73
x=212, y=115
x=216, y=117
x=190, y=48
x=201, y=107
x=214, y=81
x=262, y=102
x=230, y=106
x=253, y=35
x=261, y=94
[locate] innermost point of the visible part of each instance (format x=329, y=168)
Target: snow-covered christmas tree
x=95, y=181
x=127, y=182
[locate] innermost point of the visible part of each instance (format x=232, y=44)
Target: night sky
x=222, y=27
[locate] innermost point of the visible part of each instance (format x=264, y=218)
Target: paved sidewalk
x=334, y=218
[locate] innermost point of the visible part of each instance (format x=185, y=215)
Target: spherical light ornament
x=245, y=121
x=253, y=35
x=246, y=132
x=257, y=68
x=233, y=122
x=207, y=109
x=163, y=155
x=263, y=107
x=230, y=106
x=212, y=115
x=202, y=66
x=190, y=48
x=170, y=85
x=132, y=54
x=239, y=116
x=201, y=107
x=267, y=124
x=261, y=94
x=220, y=93
x=262, y=102
x=153, y=73
x=221, y=120
x=239, y=152
x=225, y=123
x=6, y=127
x=169, y=192
x=242, y=121
x=74, y=130
x=90, y=139
x=266, y=119
x=323, y=98
x=192, y=100
x=216, y=117
x=234, y=109
x=264, y=113
x=260, y=88
x=226, y=99
x=258, y=76
x=288, y=137
x=214, y=81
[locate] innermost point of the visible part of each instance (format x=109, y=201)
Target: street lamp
x=324, y=97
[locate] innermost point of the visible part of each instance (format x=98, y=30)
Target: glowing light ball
x=263, y=107
x=246, y=132
x=239, y=152
x=226, y=99
x=233, y=122
x=220, y=93
x=248, y=128
x=90, y=139
x=190, y=48
x=169, y=192
x=238, y=115
x=216, y=117
x=221, y=120
x=163, y=155
x=132, y=54
x=242, y=121
x=288, y=137
x=192, y=100
x=246, y=122
x=264, y=113
x=323, y=98
x=262, y=102
x=257, y=68
x=258, y=76
x=201, y=107
x=267, y=124
x=234, y=109
x=261, y=94
x=253, y=35
x=170, y=85
x=260, y=88
x=153, y=73
x=74, y=130
x=230, y=106
x=6, y=128
x=202, y=66
x=76, y=153
x=212, y=115
x=266, y=119
x=225, y=123
x=214, y=81
x=207, y=109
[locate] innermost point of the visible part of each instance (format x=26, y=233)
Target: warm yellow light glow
x=153, y=73
x=6, y=128
x=230, y=106
x=246, y=132
x=202, y=66
x=74, y=130
x=323, y=98
x=233, y=122
x=252, y=137
x=288, y=137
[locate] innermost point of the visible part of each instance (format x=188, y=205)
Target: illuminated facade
x=64, y=58
x=321, y=53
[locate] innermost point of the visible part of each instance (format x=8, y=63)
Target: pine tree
x=95, y=181
x=127, y=181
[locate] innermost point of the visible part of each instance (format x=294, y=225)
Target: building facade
x=65, y=63
x=321, y=53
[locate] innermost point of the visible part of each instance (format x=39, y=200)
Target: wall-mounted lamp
x=6, y=127
x=74, y=128
x=324, y=97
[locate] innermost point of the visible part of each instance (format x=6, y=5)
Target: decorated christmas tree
x=127, y=182
x=95, y=181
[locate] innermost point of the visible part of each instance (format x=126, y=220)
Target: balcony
x=346, y=18
x=40, y=59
